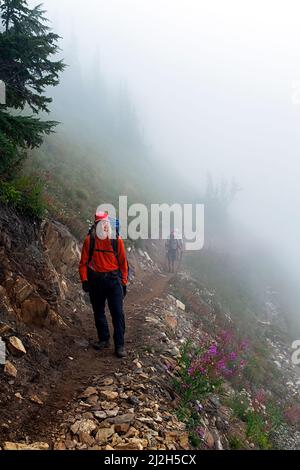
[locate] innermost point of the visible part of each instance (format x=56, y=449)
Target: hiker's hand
x=124, y=290
x=85, y=286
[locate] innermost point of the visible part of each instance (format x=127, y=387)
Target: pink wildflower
x=233, y=356
x=213, y=350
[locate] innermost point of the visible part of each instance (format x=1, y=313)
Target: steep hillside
x=77, y=178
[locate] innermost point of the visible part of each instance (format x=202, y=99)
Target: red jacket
x=103, y=261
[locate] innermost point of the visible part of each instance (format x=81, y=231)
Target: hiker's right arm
x=123, y=261
x=84, y=259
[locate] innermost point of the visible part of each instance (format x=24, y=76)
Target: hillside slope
x=57, y=392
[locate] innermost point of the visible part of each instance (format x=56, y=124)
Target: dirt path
x=75, y=374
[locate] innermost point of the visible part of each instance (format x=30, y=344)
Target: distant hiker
x=180, y=248
x=103, y=271
x=172, y=247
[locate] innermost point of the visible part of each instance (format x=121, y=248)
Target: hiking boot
x=120, y=352
x=100, y=345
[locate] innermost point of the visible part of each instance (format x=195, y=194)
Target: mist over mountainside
x=170, y=90
x=215, y=92
x=165, y=103
x=101, y=151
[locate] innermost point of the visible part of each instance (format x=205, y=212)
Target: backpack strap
x=92, y=244
x=114, y=244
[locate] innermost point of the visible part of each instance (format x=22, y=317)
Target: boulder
x=15, y=346
x=5, y=329
x=122, y=428
x=132, y=432
x=107, y=405
x=86, y=438
x=17, y=446
x=113, y=413
x=109, y=395
x=104, y=434
x=83, y=426
x=180, y=305
x=88, y=392
x=133, y=444
x=100, y=414
x=127, y=418
x=10, y=370
x=22, y=289
x=59, y=446
x=92, y=400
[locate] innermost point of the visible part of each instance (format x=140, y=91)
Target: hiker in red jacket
x=103, y=271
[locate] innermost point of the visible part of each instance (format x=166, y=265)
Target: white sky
x=212, y=82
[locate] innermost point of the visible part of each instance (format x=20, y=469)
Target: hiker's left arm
x=123, y=261
x=84, y=260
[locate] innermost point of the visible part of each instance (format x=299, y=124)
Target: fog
x=216, y=88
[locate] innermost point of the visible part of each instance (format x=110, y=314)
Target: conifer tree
x=27, y=67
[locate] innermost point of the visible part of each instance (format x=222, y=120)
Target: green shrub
x=194, y=440
x=236, y=443
x=275, y=415
x=261, y=416
x=25, y=194
x=256, y=430
x=9, y=194
x=240, y=405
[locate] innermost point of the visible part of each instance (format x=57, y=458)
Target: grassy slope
x=77, y=178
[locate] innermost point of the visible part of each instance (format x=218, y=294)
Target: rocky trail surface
x=99, y=401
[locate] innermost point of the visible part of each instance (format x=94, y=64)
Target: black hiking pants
x=172, y=255
x=107, y=287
